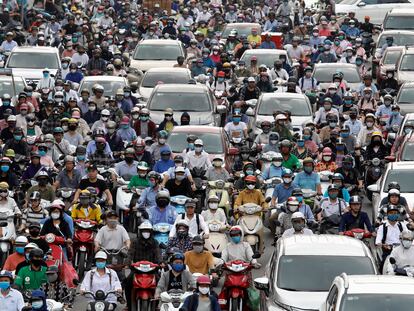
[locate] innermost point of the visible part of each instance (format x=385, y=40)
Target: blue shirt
x=307, y=181
x=306, y=211
x=268, y=45
x=282, y=193
x=168, y=215
x=91, y=148
x=348, y=219
x=162, y=166
x=128, y=134
x=345, y=194
x=272, y=171
x=147, y=197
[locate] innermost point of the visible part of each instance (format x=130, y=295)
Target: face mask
x=306, y=137
x=406, y=243
x=198, y=248
x=182, y=233
x=236, y=239
x=367, y=96
x=249, y=172
x=299, y=198
x=327, y=107
x=4, y=194
x=277, y=163
x=135, y=116
x=20, y=250
x=332, y=124
x=18, y=137
x=308, y=169
x=4, y=285
x=144, y=118
x=326, y=158
x=146, y=235
x=52, y=278
x=92, y=108
x=177, y=267
x=204, y=290
x=6, y=103
x=251, y=187
x=100, y=265
x=370, y=124
x=198, y=149
x=104, y=119
x=179, y=177
x=333, y=195
x=36, y=262
x=349, y=54
x=213, y=206
x=353, y=116
x=5, y=168
x=81, y=158
x=152, y=184
x=387, y=103
x=55, y=215
x=315, y=34
x=287, y=180
x=332, y=92
x=298, y=226
x=393, y=217
x=161, y=141
x=112, y=223
x=273, y=142
x=395, y=113
x=217, y=163
x=168, y=118
x=42, y=153
x=236, y=119
x=45, y=75
x=125, y=126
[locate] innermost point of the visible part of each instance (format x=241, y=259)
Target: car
x=391, y=57
x=11, y=85
x=323, y=73
x=400, y=38
x=196, y=99
x=164, y=75
x=401, y=172
x=264, y=56
x=369, y=293
x=215, y=139
x=406, y=150
x=302, y=268
x=298, y=105
x=110, y=84
x=241, y=28
x=28, y=62
x=405, y=66
x=399, y=19
x=405, y=97
x=408, y=120
x=376, y=9
x=155, y=53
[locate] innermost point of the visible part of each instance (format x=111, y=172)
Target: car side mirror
x=250, y=112
x=262, y=284
x=361, y=4
x=373, y=188
x=233, y=151
x=390, y=158
x=221, y=109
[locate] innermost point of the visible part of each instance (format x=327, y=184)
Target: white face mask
x=277, y=163
x=204, y=290
x=104, y=119
x=251, y=187
x=327, y=158
x=198, y=149
x=146, y=235
x=55, y=215
x=293, y=208
x=370, y=124
x=161, y=141
x=213, y=205
x=406, y=243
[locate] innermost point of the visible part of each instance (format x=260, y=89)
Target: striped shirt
x=30, y=216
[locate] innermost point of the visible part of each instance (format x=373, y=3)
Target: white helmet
x=101, y=255
x=182, y=222
x=297, y=215
x=21, y=240
x=146, y=225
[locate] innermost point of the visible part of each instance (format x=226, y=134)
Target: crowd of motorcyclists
x=71, y=160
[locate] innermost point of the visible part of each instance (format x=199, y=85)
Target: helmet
x=198, y=240
x=297, y=191
x=406, y=235
x=182, y=223
x=203, y=280
x=355, y=200
x=101, y=255
x=337, y=176
x=21, y=240
x=250, y=178
x=348, y=159
x=35, y=252
x=333, y=187
x=287, y=171
x=191, y=138
x=146, y=225
x=162, y=194
x=285, y=143
x=213, y=198
x=235, y=231
x=292, y=201
x=176, y=256
x=392, y=207
x=394, y=192
x=297, y=215
x=69, y=158
x=393, y=185
x=162, y=134
x=154, y=175
x=308, y=160
x=143, y=166
x=84, y=193
x=326, y=151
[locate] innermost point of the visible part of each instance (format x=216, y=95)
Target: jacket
x=191, y=303
x=152, y=128
x=143, y=249
x=186, y=278
x=240, y=251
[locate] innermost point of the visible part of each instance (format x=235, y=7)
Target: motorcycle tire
x=143, y=305
x=3, y=257
x=81, y=264
x=369, y=195
x=234, y=304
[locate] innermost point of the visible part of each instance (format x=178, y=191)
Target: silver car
x=323, y=73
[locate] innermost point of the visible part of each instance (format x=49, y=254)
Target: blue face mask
x=20, y=250
x=81, y=158
x=348, y=101
x=101, y=265
x=236, y=239
x=151, y=183
x=177, y=267
x=65, y=65
x=18, y=137
x=306, y=137
x=4, y=285
x=358, y=63
x=308, y=169
x=5, y=168
x=249, y=172
x=344, y=134
x=6, y=103
x=221, y=80
x=299, y=198
x=38, y=304
x=236, y=119
x=42, y=153
x=395, y=113
x=125, y=126
x=191, y=146
x=301, y=144
x=333, y=195
x=45, y=75
x=127, y=94
x=393, y=217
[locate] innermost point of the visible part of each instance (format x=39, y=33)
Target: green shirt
x=137, y=181
x=28, y=279
x=292, y=162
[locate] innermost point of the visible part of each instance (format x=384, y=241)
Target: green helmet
x=143, y=166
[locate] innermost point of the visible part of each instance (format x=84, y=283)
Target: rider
x=275, y=169
x=304, y=208
x=400, y=200
x=355, y=218
x=298, y=223
x=217, y=171
x=393, y=198
x=195, y=221
x=308, y=179
x=214, y=213
x=112, y=236
x=85, y=209
x=202, y=299
x=11, y=299
x=332, y=207
x=289, y=160
x=327, y=162
x=14, y=259
x=182, y=240
x=237, y=249
x=283, y=190
x=162, y=211
x=198, y=157
x=147, y=198
x=199, y=260
x=140, y=179
x=32, y=276
x=404, y=253
x=180, y=184
x=338, y=180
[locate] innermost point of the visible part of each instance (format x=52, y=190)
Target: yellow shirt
x=199, y=262
x=91, y=214
x=257, y=39
x=250, y=196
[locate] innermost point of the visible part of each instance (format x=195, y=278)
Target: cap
x=125, y=120
x=10, y=153
x=179, y=169
x=168, y=111
x=190, y=203
x=12, y=118
x=198, y=142
x=251, y=79
x=101, y=255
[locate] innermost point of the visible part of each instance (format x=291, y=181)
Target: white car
x=165, y=75
x=405, y=66
x=302, y=268
x=370, y=293
x=399, y=19
x=29, y=62
x=376, y=9
x=264, y=56
x=110, y=83
x=323, y=73
x=401, y=172
x=155, y=53
x=298, y=105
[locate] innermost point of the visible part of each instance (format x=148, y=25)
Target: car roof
x=409, y=50
x=265, y=51
x=167, y=69
x=37, y=49
x=283, y=95
x=322, y=245
x=103, y=78
x=395, y=48
x=235, y=25
x=8, y=77
x=402, y=165
x=396, y=32
x=181, y=88
x=339, y=65
x=409, y=116
x=197, y=129
x=159, y=42
x=400, y=11
x=378, y=284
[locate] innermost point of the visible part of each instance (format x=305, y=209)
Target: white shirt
x=107, y=282
x=329, y=208
x=13, y=301
x=291, y=232
x=403, y=257
x=232, y=128
x=393, y=233
x=193, y=230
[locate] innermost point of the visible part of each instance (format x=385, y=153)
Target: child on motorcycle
x=85, y=209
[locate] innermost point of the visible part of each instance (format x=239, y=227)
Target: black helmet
x=393, y=185
x=154, y=175
x=179, y=158
x=36, y=252
x=297, y=191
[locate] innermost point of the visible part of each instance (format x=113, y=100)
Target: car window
x=399, y=22
x=370, y=2
x=407, y=62
x=33, y=60
x=408, y=152
x=332, y=296
x=157, y=52
x=151, y=79
x=110, y=87
x=213, y=143
x=324, y=74
x=296, y=106
x=406, y=95
x=374, y=302
x=267, y=59
x=403, y=176
x=348, y=2
x=6, y=87
x=399, y=39
x=180, y=101
x=240, y=28
x=391, y=57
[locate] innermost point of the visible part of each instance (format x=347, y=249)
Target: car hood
x=196, y=118
x=405, y=76
x=144, y=65
x=296, y=121
x=301, y=300
x=31, y=74
x=145, y=92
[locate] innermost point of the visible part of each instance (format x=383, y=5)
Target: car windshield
x=403, y=177
x=297, y=106
x=406, y=95
x=399, y=22
x=212, y=142
x=157, y=52
x=151, y=79
x=241, y=30
x=324, y=74
x=110, y=87
x=348, y=2
x=391, y=57
x=374, y=302
x=407, y=62
x=293, y=268
x=399, y=39
x=33, y=60
x=180, y=101
x=408, y=152
x=6, y=87
x=266, y=59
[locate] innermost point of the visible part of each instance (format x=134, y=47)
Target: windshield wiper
x=289, y=289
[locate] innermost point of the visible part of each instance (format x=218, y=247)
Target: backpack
x=197, y=220
x=93, y=273
x=385, y=231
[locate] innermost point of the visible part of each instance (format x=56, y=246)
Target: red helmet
x=326, y=151
x=203, y=279
x=250, y=178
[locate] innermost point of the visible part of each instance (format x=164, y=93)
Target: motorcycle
x=221, y=190
x=7, y=234
x=200, y=192
x=236, y=283
x=144, y=285
x=136, y=214
x=251, y=224
x=66, y=195
x=173, y=299
x=178, y=202
x=83, y=243
x=359, y=234
x=161, y=234
x=99, y=303
x=116, y=259
x=373, y=171
x=217, y=239
x=270, y=184
x=123, y=199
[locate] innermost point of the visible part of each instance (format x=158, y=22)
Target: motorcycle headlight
x=100, y=306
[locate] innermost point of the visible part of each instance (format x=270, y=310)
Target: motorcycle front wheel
x=143, y=305
x=234, y=304
x=81, y=264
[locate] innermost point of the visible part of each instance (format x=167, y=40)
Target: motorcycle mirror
x=392, y=260
x=3, y=224
x=256, y=255
x=75, y=282
x=268, y=199
x=317, y=210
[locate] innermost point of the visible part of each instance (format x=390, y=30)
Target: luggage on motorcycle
x=254, y=299
x=68, y=274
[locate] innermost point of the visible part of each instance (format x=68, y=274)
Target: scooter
x=178, y=202
x=236, y=283
x=161, y=234
x=144, y=285
x=173, y=300
x=8, y=234
x=251, y=224
x=83, y=244
x=221, y=190
x=217, y=239
x=325, y=180
x=123, y=199
x=373, y=171
x=270, y=184
x=99, y=303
